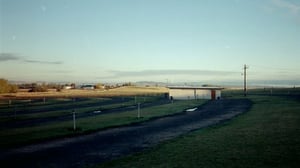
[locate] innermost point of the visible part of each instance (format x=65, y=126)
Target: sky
x=150, y=40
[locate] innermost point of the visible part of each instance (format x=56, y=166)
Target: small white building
x=186, y=92
x=67, y=87
x=88, y=87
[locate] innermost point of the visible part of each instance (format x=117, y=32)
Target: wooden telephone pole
x=245, y=79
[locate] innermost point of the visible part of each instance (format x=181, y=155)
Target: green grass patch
x=266, y=136
x=49, y=104
x=267, y=91
x=57, y=113
x=67, y=107
x=21, y=136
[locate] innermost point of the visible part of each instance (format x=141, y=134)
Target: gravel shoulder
x=116, y=142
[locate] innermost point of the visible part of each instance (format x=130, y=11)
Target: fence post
x=74, y=120
x=139, y=110
x=15, y=112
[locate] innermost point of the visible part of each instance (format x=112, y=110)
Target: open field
x=115, y=142
x=33, y=113
x=37, y=121
x=267, y=91
x=26, y=118
x=121, y=91
x=266, y=136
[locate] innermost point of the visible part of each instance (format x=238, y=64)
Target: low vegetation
x=71, y=93
x=13, y=137
x=5, y=87
x=266, y=136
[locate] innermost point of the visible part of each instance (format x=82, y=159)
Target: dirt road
x=113, y=143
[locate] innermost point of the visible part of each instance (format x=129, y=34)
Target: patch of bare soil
x=113, y=143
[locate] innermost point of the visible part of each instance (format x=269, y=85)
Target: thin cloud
x=43, y=62
x=62, y=71
x=293, y=8
x=15, y=57
x=9, y=57
x=149, y=73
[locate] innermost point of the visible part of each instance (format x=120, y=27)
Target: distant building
x=88, y=87
x=185, y=92
x=67, y=87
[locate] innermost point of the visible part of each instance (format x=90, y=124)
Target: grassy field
x=266, y=136
x=22, y=106
x=121, y=91
x=57, y=107
x=13, y=137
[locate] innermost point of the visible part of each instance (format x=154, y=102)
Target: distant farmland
x=267, y=135
x=122, y=91
x=30, y=117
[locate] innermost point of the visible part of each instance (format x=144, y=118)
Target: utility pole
x=245, y=79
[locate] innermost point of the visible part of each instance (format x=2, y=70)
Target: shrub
x=39, y=89
x=5, y=87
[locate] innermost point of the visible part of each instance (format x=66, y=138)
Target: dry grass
x=122, y=91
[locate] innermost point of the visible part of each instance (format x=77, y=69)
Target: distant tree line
x=34, y=87
x=6, y=87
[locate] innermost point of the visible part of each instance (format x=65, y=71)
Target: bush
x=39, y=89
x=5, y=87
x=13, y=89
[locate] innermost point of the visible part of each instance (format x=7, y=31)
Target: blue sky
x=149, y=40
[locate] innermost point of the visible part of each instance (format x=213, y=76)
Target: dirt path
x=113, y=143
